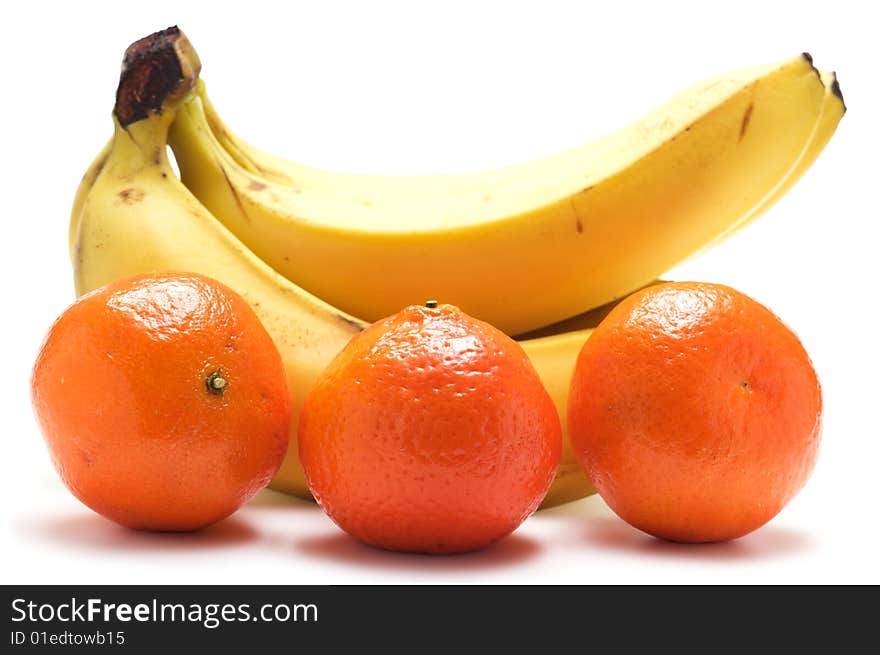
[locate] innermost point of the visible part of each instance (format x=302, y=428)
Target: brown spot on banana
x=578, y=225
x=256, y=185
x=744, y=125
x=234, y=193
x=131, y=196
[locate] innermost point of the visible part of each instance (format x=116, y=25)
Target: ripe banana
x=568, y=232
x=277, y=170
x=133, y=215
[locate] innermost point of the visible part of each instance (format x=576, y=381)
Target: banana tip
x=835, y=89
x=809, y=59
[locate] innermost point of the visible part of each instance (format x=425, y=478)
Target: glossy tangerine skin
x=430, y=432
x=121, y=396
x=695, y=412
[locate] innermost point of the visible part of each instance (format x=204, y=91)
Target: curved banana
x=277, y=170
x=137, y=217
x=568, y=232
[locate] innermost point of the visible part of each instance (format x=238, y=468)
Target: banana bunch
x=526, y=247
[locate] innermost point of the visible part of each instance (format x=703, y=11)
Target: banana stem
x=157, y=70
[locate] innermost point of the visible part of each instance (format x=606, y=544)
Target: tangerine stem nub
x=431, y=304
x=216, y=383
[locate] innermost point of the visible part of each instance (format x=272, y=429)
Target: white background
x=441, y=87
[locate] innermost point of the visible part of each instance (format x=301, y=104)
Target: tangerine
x=695, y=411
x=163, y=401
x=430, y=432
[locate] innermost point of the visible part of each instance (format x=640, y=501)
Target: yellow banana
x=529, y=245
x=277, y=170
x=281, y=171
x=135, y=216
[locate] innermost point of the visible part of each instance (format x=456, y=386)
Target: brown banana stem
x=157, y=69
